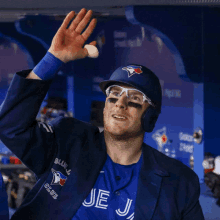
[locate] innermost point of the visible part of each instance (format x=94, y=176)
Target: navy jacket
x=167, y=189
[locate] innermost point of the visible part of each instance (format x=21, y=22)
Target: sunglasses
x=133, y=95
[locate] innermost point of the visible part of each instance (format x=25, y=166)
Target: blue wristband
x=47, y=68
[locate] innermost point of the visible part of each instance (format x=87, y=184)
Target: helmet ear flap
x=149, y=119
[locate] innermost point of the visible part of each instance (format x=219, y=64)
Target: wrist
x=58, y=55
x=47, y=68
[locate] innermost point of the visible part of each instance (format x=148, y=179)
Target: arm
x=67, y=44
x=32, y=75
x=32, y=142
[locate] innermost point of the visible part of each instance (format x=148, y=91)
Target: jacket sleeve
x=32, y=142
x=192, y=210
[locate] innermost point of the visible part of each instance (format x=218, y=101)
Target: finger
x=84, y=22
x=89, y=29
x=93, y=43
x=77, y=19
x=67, y=20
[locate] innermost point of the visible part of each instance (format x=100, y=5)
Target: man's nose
x=122, y=101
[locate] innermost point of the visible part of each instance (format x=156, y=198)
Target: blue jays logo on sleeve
x=58, y=178
x=133, y=70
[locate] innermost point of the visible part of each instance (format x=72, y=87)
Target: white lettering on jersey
x=131, y=217
x=101, y=199
x=50, y=190
x=92, y=199
x=126, y=210
x=63, y=164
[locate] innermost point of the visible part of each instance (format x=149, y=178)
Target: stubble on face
x=123, y=129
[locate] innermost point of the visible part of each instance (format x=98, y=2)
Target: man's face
x=122, y=118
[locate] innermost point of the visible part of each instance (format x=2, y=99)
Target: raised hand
x=67, y=44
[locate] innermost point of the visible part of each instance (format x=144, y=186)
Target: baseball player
x=82, y=173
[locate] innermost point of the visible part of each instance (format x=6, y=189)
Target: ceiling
x=11, y=10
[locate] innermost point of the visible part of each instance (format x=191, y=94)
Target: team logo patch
x=58, y=178
x=133, y=70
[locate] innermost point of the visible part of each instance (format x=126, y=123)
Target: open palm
x=67, y=44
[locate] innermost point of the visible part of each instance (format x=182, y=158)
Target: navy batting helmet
x=144, y=80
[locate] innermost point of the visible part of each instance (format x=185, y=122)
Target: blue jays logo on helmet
x=131, y=69
x=58, y=178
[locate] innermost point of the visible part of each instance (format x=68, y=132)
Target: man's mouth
x=118, y=116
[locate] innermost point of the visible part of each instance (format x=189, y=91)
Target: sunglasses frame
x=145, y=98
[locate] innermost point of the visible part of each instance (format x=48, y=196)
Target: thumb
x=93, y=43
x=85, y=52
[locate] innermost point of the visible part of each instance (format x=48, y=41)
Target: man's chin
x=122, y=135
x=117, y=135
x=118, y=131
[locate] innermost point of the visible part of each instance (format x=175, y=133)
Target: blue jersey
x=67, y=156
x=114, y=193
